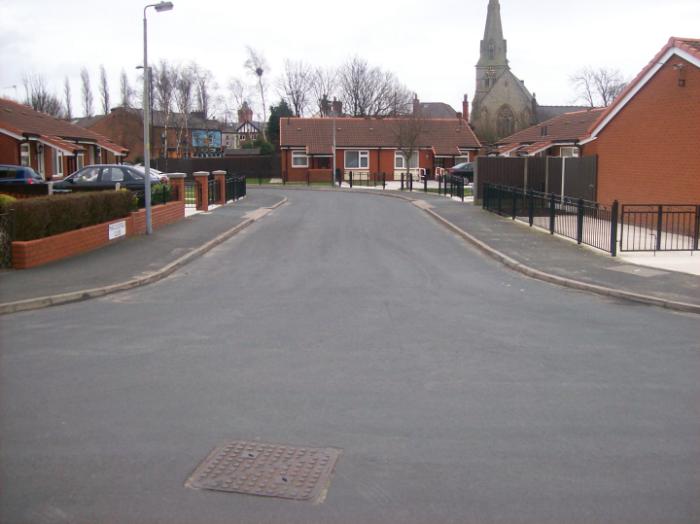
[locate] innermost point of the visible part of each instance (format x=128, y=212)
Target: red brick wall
x=124, y=128
x=9, y=150
x=650, y=152
x=44, y=250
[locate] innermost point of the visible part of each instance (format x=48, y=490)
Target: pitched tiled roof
x=569, y=127
x=547, y=112
x=691, y=46
x=23, y=120
x=437, y=110
x=444, y=136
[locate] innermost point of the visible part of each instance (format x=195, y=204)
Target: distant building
x=502, y=104
x=54, y=148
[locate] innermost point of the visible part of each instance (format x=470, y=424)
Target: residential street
x=458, y=390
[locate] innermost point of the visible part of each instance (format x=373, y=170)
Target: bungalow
x=560, y=136
x=648, y=139
x=54, y=148
x=373, y=145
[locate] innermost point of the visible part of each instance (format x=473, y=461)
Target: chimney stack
x=416, y=105
x=245, y=113
x=337, y=107
x=465, y=108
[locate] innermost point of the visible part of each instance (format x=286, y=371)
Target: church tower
x=502, y=105
x=493, y=56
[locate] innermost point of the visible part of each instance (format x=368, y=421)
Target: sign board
x=118, y=229
x=206, y=139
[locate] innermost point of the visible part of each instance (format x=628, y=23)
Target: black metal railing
x=452, y=185
x=190, y=193
x=235, y=187
x=160, y=194
x=586, y=222
x=7, y=235
x=659, y=227
x=213, y=191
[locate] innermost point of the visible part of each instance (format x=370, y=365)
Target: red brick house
x=371, y=146
x=54, y=148
x=560, y=136
x=648, y=139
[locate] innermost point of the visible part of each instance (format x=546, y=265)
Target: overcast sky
x=432, y=46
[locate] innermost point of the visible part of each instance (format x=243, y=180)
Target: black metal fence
x=7, y=234
x=581, y=220
x=213, y=191
x=660, y=227
x=235, y=187
x=160, y=194
x=452, y=185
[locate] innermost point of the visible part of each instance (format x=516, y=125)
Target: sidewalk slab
x=551, y=254
x=132, y=257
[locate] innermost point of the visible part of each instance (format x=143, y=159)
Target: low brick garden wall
x=35, y=253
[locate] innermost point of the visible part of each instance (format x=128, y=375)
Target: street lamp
x=162, y=6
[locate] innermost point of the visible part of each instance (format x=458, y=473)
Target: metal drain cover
x=267, y=470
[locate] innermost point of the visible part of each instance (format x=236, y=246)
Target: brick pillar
x=177, y=182
x=220, y=177
x=201, y=179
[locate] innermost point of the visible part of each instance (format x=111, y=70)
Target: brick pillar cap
x=219, y=172
x=176, y=175
x=201, y=173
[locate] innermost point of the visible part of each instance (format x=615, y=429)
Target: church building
x=502, y=104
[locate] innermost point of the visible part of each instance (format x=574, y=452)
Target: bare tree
x=184, y=88
x=126, y=91
x=369, y=91
x=86, y=92
x=239, y=94
x=257, y=65
x=204, y=86
x=408, y=131
x=296, y=85
x=104, y=90
x=67, y=96
x=39, y=98
x=597, y=87
x=324, y=84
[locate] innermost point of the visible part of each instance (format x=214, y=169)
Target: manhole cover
x=268, y=470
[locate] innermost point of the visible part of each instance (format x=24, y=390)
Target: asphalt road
x=459, y=391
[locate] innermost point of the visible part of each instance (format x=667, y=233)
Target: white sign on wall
x=118, y=229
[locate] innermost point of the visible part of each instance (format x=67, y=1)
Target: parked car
x=106, y=176
x=163, y=176
x=465, y=169
x=11, y=174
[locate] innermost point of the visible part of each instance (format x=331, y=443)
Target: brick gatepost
x=177, y=182
x=202, y=184
x=220, y=177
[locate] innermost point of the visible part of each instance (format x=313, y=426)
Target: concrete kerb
x=532, y=272
x=85, y=294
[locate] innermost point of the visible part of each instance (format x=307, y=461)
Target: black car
x=11, y=174
x=465, y=169
x=106, y=176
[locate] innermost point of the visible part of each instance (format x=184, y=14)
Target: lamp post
x=162, y=6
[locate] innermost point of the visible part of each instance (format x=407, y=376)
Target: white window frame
x=300, y=155
x=362, y=154
x=461, y=159
x=80, y=161
x=399, y=157
x=40, y=160
x=57, y=163
x=25, y=154
x=572, y=150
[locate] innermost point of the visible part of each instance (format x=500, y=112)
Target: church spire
x=493, y=46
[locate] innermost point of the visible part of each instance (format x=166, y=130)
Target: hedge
x=46, y=216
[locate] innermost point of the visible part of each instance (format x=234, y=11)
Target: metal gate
x=659, y=227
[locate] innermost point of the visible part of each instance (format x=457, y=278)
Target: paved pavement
x=458, y=390
x=129, y=258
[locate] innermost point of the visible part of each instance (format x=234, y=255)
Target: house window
x=25, y=157
x=57, y=163
x=41, y=169
x=400, y=160
x=356, y=159
x=80, y=162
x=543, y=131
x=300, y=159
x=569, y=152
